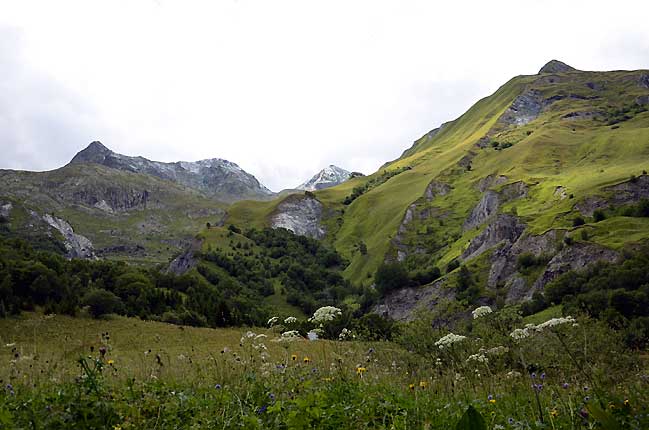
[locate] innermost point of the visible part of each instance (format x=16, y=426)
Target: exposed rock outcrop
x=214, y=177
x=490, y=181
x=556, y=66
x=630, y=191
x=77, y=246
x=590, y=204
x=301, y=215
x=504, y=259
x=400, y=305
x=436, y=188
x=491, y=201
x=485, y=209
x=112, y=199
x=525, y=108
x=642, y=100
x=185, y=261
x=643, y=81
x=575, y=257
x=505, y=228
x=5, y=209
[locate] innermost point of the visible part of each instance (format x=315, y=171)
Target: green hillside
x=561, y=139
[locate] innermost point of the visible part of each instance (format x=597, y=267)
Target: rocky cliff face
x=217, y=178
x=78, y=246
x=301, y=215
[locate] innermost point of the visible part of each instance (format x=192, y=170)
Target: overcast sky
x=283, y=88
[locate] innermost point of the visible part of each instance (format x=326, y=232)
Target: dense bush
x=615, y=292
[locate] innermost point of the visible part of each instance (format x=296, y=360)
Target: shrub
x=454, y=264
x=599, y=215
x=391, y=276
x=102, y=302
x=577, y=221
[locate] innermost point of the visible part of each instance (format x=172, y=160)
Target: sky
x=281, y=87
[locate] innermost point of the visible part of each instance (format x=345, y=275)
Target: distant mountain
x=328, y=177
x=217, y=178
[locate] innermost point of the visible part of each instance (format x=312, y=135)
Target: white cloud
x=282, y=87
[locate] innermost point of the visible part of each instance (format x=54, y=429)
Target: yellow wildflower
x=307, y=360
x=411, y=386
x=492, y=401
x=626, y=402
x=554, y=413
x=110, y=362
x=293, y=357
x=423, y=384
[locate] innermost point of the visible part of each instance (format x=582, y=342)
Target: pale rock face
x=5, y=209
x=328, y=177
x=78, y=246
x=301, y=215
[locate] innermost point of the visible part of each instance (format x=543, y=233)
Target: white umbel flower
x=290, y=320
x=555, y=322
x=481, y=311
x=325, y=314
x=449, y=340
x=271, y=322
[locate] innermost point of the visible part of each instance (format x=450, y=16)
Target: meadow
x=497, y=372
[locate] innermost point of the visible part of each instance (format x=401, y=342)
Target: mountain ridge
x=215, y=177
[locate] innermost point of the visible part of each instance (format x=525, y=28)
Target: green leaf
x=603, y=417
x=471, y=420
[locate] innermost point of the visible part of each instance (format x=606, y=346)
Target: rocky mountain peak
x=217, y=178
x=328, y=177
x=556, y=66
x=96, y=152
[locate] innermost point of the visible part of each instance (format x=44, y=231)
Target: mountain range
x=550, y=171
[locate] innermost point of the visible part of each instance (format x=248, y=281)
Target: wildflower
x=102, y=351
x=510, y=420
x=423, y=384
x=533, y=375
x=271, y=396
x=324, y=314
x=586, y=388
x=290, y=320
x=626, y=402
x=555, y=322
x=411, y=386
x=586, y=399
x=481, y=311
x=271, y=322
x=537, y=387
x=262, y=409
x=110, y=362
x=565, y=385
x=289, y=336
x=360, y=371
x=217, y=387
x=554, y=413
x=543, y=375
x=306, y=360
x=346, y=334
x=293, y=357
x=449, y=340
x=480, y=358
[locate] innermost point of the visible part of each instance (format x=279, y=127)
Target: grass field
x=121, y=373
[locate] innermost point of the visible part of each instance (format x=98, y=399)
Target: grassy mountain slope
x=126, y=215
x=567, y=136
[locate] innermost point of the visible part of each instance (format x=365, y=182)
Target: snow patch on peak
x=327, y=177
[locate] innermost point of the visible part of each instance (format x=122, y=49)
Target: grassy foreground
x=121, y=373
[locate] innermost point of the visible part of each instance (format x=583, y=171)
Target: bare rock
x=401, y=304
x=185, y=261
x=556, y=66
x=301, y=214
x=525, y=108
x=5, y=209
x=642, y=100
x=560, y=192
x=575, y=257
x=77, y=246
x=630, y=191
x=590, y=204
x=490, y=181
x=485, y=209
x=436, y=188
x=505, y=228
x=643, y=81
